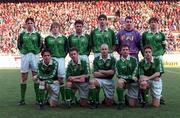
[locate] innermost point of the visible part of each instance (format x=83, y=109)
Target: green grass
x=10, y=94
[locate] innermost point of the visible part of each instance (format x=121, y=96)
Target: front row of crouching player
x=136, y=77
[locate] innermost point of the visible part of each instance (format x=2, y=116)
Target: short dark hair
x=102, y=16
x=147, y=47
x=79, y=22
x=45, y=50
x=155, y=19
x=73, y=49
x=29, y=19
x=128, y=17
x=55, y=24
x=125, y=45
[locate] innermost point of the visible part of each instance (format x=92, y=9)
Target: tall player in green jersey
x=57, y=44
x=102, y=35
x=80, y=40
x=156, y=40
x=29, y=45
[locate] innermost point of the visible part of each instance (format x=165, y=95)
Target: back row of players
x=50, y=73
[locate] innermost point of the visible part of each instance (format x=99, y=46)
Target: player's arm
x=142, y=43
x=118, y=43
x=89, y=44
x=19, y=42
x=164, y=42
x=135, y=72
x=113, y=41
x=66, y=46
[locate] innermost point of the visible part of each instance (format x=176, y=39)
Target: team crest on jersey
x=108, y=63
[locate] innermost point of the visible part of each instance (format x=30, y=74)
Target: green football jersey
x=98, y=38
x=48, y=72
x=56, y=45
x=149, y=69
x=82, y=43
x=127, y=68
x=101, y=64
x=156, y=41
x=77, y=69
x=29, y=43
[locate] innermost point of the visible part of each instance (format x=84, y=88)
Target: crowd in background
x=12, y=18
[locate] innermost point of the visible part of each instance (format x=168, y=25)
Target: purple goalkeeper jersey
x=131, y=38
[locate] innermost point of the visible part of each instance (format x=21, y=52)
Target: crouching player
x=77, y=79
x=48, y=79
x=150, y=70
x=127, y=71
x=104, y=69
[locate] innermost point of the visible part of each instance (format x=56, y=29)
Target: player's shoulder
x=54, y=62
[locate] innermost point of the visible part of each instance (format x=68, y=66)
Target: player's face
x=46, y=57
x=148, y=53
x=153, y=25
x=129, y=23
x=102, y=22
x=55, y=30
x=104, y=50
x=29, y=25
x=78, y=28
x=74, y=56
x=125, y=51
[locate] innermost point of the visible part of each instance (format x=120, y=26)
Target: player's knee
x=120, y=83
x=69, y=84
x=143, y=85
x=83, y=102
x=132, y=102
x=108, y=102
x=93, y=83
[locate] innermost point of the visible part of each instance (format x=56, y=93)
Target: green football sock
x=97, y=94
x=146, y=93
x=120, y=94
x=68, y=93
x=93, y=94
x=62, y=91
x=72, y=95
x=36, y=89
x=46, y=96
x=41, y=95
x=23, y=91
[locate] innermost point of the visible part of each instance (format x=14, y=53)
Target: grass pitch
x=10, y=95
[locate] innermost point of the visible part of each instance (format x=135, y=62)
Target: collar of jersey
x=60, y=35
x=153, y=32
x=79, y=61
x=82, y=34
x=106, y=29
x=106, y=58
x=34, y=31
x=152, y=60
x=50, y=63
x=123, y=59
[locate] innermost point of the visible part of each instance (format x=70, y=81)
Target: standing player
x=57, y=44
x=156, y=40
x=29, y=45
x=77, y=79
x=48, y=79
x=129, y=36
x=102, y=35
x=150, y=70
x=104, y=69
x=127, y=72
x=80, y=41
